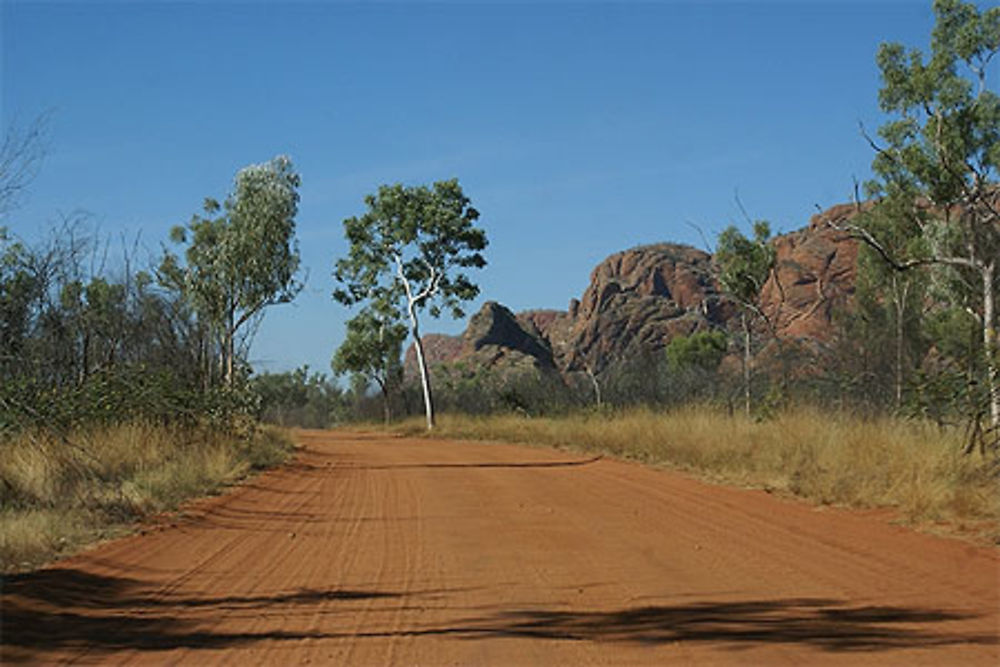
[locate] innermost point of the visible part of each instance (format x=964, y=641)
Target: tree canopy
x=935, y=167
x=745, y=263
x=743, y=266
x=409, y=252
x=372, y=349
x=242, y=255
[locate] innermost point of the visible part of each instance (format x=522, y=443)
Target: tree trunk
x=900, y=303
x=230, y=347
x=204, y=364
x=425, y=380
x=386, y=409
x=746, y=362
x=418, y=345
x=597, y=386
x=990, y=344
x=85, y=366
x=228, y=354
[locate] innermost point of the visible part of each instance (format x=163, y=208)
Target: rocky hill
x=639, y=299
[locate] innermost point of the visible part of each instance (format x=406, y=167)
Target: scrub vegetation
x=58, y=493
x=125, y=389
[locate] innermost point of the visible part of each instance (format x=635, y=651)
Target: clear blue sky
x=577, y=129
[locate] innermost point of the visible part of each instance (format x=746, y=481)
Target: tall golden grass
x=58, y=493
x=914, y=467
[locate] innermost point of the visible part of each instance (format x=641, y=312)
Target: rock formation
x=815, y=272
x=639, y=299
x=495, y=338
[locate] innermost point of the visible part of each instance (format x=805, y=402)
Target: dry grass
x=57, y=494
x=913, y=467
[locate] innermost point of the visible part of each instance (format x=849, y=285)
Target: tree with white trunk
x=408, y=253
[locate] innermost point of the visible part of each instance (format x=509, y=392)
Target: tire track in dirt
x=862, y=553
x=241, y=553
x=374, y=550
x=264, y=560
x=230, y=547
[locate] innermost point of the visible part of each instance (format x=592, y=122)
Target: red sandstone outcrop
x=494, y=338
x=640, y=299
x=815, y=272
x=438, y=349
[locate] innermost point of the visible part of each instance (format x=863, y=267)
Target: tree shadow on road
x=69, y=609
x=825, y=624
x=62, y=608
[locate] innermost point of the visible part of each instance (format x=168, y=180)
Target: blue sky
x=577, y=129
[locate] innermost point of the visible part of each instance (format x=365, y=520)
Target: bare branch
x=21, y=154
x=708, y=246
x=860, y=233
x=871, y=142
x=432, y=284
x=739, y=203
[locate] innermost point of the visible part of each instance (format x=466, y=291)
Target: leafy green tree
x=19, y=292
x=947, y=385
x=409, y=253
x=299, y=398
x=372, y=349
x=890, y=300
x=743, y=267
x=241, y=256
x=936, y=165
x=703, y=350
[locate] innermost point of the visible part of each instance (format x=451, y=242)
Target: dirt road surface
x=370, y=550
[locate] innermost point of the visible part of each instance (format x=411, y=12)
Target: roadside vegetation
x=61, y=492
x=124, y=383
x=914, y=467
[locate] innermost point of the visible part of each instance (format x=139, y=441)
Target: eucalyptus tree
x=886, y=300
x=241, y=255
x=744, y=265
x=936, y=166
x=408, y=253
x=372, y=349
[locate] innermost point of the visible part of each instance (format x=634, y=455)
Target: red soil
x=370, y=550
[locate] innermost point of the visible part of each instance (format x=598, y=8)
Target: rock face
x=495, y=338
x=555, y=327
x=815, y=273
x=640, y=299
x=438, y=349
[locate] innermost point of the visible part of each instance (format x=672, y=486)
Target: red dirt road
x=375, y=551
